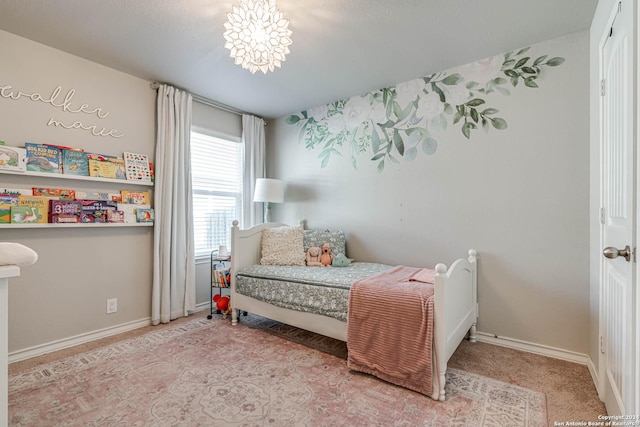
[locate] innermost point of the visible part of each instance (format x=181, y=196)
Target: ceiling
x=341, y=48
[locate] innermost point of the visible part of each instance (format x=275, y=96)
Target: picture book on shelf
x=5, y=213
x=115, y=216
x=96, y=210
x=39, y=202
x=64, y=147
x=221, y=275
x=64, y=211
x=24, y=215
x=144, y=215
x=6, y=202
x=113, y=169
x=9, y=199
x=17, y=191
x=135, y=197
x=42, y=158
x=95, y=195
x=13, y=158
x=61, y=193
x=137, y=167
x=75, y=163
x=129, y=211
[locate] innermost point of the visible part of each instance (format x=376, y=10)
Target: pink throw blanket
x=390, y=327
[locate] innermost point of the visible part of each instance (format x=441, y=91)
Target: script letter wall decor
x=64, y=104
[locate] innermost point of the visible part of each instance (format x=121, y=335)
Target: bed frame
x=455, y=313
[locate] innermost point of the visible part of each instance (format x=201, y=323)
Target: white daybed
x=455, y=302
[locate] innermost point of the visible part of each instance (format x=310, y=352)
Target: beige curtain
x=254, y=167
x=174, y=284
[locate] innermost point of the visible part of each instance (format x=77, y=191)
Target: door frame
x=636, y=130
x=602, y=22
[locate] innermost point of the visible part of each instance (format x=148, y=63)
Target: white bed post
x=235, y=242
x=473, y=260
x=440, y=339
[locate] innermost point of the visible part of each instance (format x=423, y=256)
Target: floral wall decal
x=401, y=121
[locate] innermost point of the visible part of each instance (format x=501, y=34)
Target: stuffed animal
x=341, y=260
x=223, y=303
x=313, y=257
x=326, y=256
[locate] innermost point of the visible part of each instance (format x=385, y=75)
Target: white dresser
x=6, y=272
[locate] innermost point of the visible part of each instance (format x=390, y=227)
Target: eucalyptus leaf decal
x=401, y=121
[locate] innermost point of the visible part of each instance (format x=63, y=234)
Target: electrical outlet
x=112, y=305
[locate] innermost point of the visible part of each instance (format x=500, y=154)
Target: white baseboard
x=543, y=350
x=39, y=350
x=202, y=306
x=593, y=370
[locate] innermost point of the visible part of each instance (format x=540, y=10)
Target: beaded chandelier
x=257, y=35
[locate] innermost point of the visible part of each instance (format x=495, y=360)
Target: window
x=216, y=175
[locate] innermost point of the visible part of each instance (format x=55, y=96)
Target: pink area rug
x=209, y=373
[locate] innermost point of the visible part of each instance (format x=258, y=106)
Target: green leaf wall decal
x=399, y=121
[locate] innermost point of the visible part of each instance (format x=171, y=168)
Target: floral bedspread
x=319, y=290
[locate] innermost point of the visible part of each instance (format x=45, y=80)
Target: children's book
x=6, y=202
x=24, y=215
x=5, y=213
x=137, y=167
x=13, y=158
x=104, y=166
x=75, y=163
x=64, y=211
x=9, y=199
x=41, y=203
x=144, y=215
x=17, y=191
x=95, y=195
x=61, y=193
x=135, y=197
x=129, y=211
x=96, y=210
x=64, y=147
x=115, y=216
x=42, y=158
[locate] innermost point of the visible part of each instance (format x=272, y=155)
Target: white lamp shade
x=269, y=190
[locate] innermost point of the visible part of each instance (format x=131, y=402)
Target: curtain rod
x=206, y=101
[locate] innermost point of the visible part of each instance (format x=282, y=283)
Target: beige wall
x=519, y=196
x=64, y=294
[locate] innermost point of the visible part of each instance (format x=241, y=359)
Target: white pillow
x=16, y=254
x=282, y=246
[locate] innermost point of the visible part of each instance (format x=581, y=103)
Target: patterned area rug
x=209, y=373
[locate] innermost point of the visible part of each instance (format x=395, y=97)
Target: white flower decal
x=400, y=121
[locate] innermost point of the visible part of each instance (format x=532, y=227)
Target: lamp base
x=267, y=212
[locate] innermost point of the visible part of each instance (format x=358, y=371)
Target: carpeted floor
x=570, y=393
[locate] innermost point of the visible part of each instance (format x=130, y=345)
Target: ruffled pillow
x=282, y=246
x=16, y=254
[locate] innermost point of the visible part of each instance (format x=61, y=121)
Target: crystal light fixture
x=257, y=35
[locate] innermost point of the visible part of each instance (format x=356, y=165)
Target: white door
x=618, y=215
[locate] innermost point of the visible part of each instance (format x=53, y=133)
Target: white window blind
x=216, y=174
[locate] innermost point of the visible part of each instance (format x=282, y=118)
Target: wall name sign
x=57, y=100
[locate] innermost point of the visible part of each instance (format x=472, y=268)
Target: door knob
x=611, y=252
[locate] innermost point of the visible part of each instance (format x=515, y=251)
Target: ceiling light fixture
x=257, y=35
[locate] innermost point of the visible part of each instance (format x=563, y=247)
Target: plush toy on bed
x=341, y=260
x=313, y=257
x=326, y=256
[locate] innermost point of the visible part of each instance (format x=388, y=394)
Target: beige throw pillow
x=282, y=246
